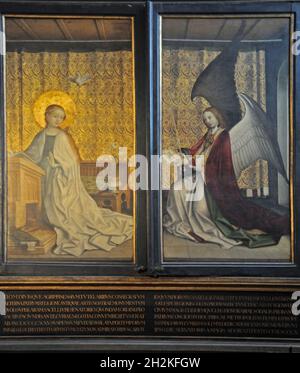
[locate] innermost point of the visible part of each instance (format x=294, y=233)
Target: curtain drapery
x=104, y=118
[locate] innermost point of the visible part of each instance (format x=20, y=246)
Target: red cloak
x=222, y=184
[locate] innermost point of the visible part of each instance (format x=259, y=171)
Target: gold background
x=105, y=104
x=180, y=71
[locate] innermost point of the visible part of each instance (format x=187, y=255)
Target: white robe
x=184, y=214
x=79, y=223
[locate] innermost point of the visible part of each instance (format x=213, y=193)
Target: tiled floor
x=175, y=247
x=121, y=252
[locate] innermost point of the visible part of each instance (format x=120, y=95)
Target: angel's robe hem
x=250, y=240
x=223, y=188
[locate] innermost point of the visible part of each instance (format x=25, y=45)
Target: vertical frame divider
x=154, y=38
x=2, y=142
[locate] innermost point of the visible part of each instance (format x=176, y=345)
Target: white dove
x=80, y=80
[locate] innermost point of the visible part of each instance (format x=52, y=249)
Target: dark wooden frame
x=216, y=268
x=118, y=276
x=148, y=141
x=137, y=11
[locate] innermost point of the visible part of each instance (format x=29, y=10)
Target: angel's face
x=55, y=117
x=210, y=120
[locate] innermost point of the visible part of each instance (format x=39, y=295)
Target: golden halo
x=54, y=98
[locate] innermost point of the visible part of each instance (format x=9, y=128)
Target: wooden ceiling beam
x=98, y=29
x=26, y=28
x=64, y=29
x=101, y=29
x=219, y=33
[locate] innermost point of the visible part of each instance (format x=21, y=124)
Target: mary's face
x=210, y=120
x=55, y=118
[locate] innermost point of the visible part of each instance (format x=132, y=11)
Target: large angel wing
x=217, y=83
x=250, y=139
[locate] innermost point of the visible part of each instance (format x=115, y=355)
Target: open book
x=20, y=154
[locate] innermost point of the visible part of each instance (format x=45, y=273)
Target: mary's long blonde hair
x=53, y=107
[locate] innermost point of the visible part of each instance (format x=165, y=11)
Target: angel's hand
x=185, y=151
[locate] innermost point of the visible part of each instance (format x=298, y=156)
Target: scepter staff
x=178, y=145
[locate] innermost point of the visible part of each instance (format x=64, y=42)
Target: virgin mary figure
x=79, y=223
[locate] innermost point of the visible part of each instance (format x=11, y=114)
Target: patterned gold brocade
x=180, y=71
x=104, y=105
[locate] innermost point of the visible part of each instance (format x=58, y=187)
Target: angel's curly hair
x=217, y=114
